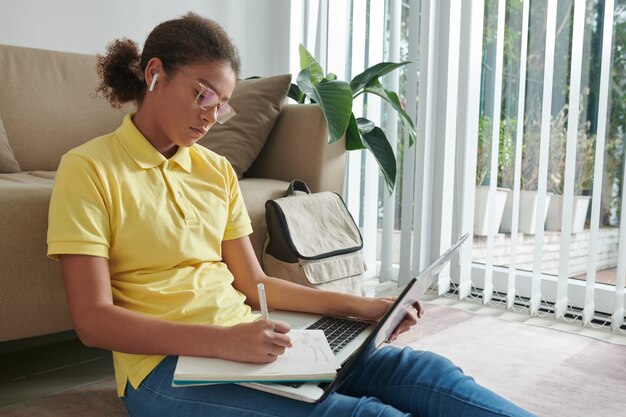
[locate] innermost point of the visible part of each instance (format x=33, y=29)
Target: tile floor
x=36, y=367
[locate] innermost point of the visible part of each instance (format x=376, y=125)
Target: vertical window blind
x=510, y=100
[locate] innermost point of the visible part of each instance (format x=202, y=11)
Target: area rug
x=549, y=372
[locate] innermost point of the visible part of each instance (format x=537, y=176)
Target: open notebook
x=309, y=359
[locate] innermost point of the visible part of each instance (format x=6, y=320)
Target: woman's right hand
x=261, y=341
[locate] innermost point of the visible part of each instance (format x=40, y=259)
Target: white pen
x=263, y=301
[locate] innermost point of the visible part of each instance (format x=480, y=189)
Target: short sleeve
x=238, y=220
x=78, y=219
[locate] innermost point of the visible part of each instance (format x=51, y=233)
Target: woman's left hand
x=375, y=308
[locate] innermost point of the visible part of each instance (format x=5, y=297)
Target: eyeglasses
x=208, y=99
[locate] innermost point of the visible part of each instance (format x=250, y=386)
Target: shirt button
x=179, y=194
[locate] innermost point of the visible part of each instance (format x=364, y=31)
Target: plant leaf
x=353, y=135
x=392, y=98
x=365, y=125
x=376, y=141
x=373, y=73
x=296, y=94
x=308, y=61
x=333, y=97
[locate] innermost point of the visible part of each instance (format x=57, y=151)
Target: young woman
x=152, y=235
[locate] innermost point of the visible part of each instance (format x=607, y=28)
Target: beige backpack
x=312, y=240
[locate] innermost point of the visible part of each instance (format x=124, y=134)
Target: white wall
x=260, y=28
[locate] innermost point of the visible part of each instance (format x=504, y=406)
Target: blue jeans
x=392, y=382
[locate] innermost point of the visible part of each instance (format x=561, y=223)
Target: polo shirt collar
x=142, y=151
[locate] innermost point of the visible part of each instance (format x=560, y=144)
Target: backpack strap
x=297, y=185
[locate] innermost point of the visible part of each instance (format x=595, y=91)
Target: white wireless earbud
x=154, y=80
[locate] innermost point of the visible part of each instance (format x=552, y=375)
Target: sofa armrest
x=298, y=148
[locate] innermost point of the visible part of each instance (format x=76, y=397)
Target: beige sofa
x=48, y=106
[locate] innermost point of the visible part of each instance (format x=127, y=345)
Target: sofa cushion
x=257, y=103
x=8, y=164
x=32, y=296
x=48, y=175
x=49, y=104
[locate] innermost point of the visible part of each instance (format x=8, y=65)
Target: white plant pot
x=579, y=213
x=527, y=212
x=481, y=209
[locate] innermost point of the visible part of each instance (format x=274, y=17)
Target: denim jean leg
x=426, y=385
x=156, y=397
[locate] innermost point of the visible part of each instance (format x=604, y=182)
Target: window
x=500, y=152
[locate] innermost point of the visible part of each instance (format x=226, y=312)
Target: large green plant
x=335, y=99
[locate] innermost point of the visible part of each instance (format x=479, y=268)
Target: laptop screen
x=416, y=287
x=381, y=332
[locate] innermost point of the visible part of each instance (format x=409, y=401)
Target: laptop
x=362, y=339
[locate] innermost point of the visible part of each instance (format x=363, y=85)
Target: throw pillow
x=257, y=103
x=8, y=164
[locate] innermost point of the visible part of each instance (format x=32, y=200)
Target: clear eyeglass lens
x=224, y=113
x=208, y=99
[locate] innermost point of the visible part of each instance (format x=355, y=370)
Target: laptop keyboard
x=339, y=331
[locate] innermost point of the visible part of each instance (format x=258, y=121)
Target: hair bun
x=120, y=73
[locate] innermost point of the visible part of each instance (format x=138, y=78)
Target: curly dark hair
x=187, y=40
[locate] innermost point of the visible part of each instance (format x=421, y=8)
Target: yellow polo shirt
x=160, y=223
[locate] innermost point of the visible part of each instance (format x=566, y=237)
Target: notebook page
x=309, y=355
